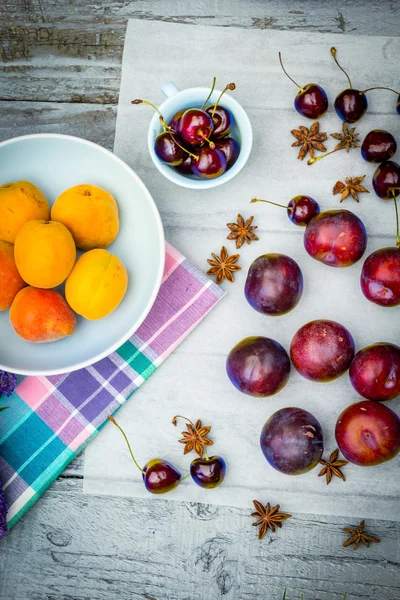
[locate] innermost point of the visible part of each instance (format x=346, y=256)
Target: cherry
x=350, y=104
x=375, y=372
x=159, y=475
x=230, y=149
x=186, y=167
x=336, y=237
x=311, y=101
x=222, y=118
x=209, y=163
x=196, y=127
x=378, y=146
x=398, y=105
x=300, y=209
x=386, y=180
x=175, y=121
x=208, y=472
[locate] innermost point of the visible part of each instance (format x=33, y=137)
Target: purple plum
x=258, y=366
x=292, y=441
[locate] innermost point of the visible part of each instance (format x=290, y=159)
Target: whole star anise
x=358, y=535
x=267, y=518
x=347, y=139
x=352, y=186
x=223, y=266
x=309, y=139
x=242, y=231
x=332, y=467
x=195, y=438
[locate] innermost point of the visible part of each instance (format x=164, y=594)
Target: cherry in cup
x=311, y=100
x=159, y=475
x=221, y=117
x=300, y=209
x=375, y=371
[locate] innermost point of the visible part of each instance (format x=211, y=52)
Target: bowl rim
x=200, y=184
x=160, y=230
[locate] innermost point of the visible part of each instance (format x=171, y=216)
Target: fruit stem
x=127, y=442
x=380, y=88
x=311, y=161
x=269, y=202
x=210, y=142
x=161, y=118
x=209, y=95
x=393, y=190
x=230, y=86
x=333, y=52
x=287, y=74
x=182, y=148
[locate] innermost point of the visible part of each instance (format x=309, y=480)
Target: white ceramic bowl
x=55, y=163
x=194, y=98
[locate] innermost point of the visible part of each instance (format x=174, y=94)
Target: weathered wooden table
x=59, y=72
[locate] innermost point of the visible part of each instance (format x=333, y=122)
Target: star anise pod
x=309, y=139
x=195, y=438
x=267, y=518
x=358, y=535
x=347, y=139
x=242, y=231
x=223, y=266
x=332, y=467
x=352, y=186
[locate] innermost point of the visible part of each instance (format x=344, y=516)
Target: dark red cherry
x=230, y=149
x=222, y=119
x=378, y=146
x=301, y=209
x=186, y=167
x=160, y=476
x=209, y=163
x=168, y=150
x=375, y=372
x=195, y=126
x=176, y=119
x=311, y=100
x=351, y=105
x=386, y=179
x=380, y=277
x=208, y=472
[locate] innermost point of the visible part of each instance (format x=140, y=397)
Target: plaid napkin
x=51, y=419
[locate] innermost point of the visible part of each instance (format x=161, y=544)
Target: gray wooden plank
x=69, y=546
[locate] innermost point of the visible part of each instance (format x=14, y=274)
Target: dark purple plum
x=375, y=371
x=292, y=441
x=230, y=149
x=322, y=350
x=380, y=277
x=208, y=472
x=258, y=366
x=274, y=284
x=336, y=238
x=160, y=476
x=378, y=146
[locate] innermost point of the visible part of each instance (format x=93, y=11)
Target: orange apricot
x=11, y=281
x=20, y=202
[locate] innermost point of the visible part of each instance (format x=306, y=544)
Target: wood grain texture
x=59, y=72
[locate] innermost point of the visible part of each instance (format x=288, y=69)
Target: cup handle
x=169, y=89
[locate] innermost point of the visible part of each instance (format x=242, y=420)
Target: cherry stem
x=194, y=427
x=209, y=95
x=230, y=86
x=127, y=442
x=311, y=161
x=211, y=143
x=333, y=52
x=392, y=191
x=270, y=202
x=161, y=118
x=380, y=88
x=182, y=148
x=287, y=74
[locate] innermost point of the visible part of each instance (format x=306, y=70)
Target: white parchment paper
x=193, y=380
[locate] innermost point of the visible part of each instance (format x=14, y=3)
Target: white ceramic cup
x=194, y=98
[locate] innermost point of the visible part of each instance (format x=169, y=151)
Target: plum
x=375, y=371
x=368, y=433
x=292, y=441
x=336, y=238
x=274, y=284
x=258, y=366
x=380, y=277
x=322, y=350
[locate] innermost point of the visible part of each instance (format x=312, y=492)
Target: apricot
x=90, y=213
x=20, y=202
x=44, y=253
x=11, y=281
x=41, y=315
x=97, y=284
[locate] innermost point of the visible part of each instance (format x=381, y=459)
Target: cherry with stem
x=221, y=117
x=300, y=209
x=351, y=104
